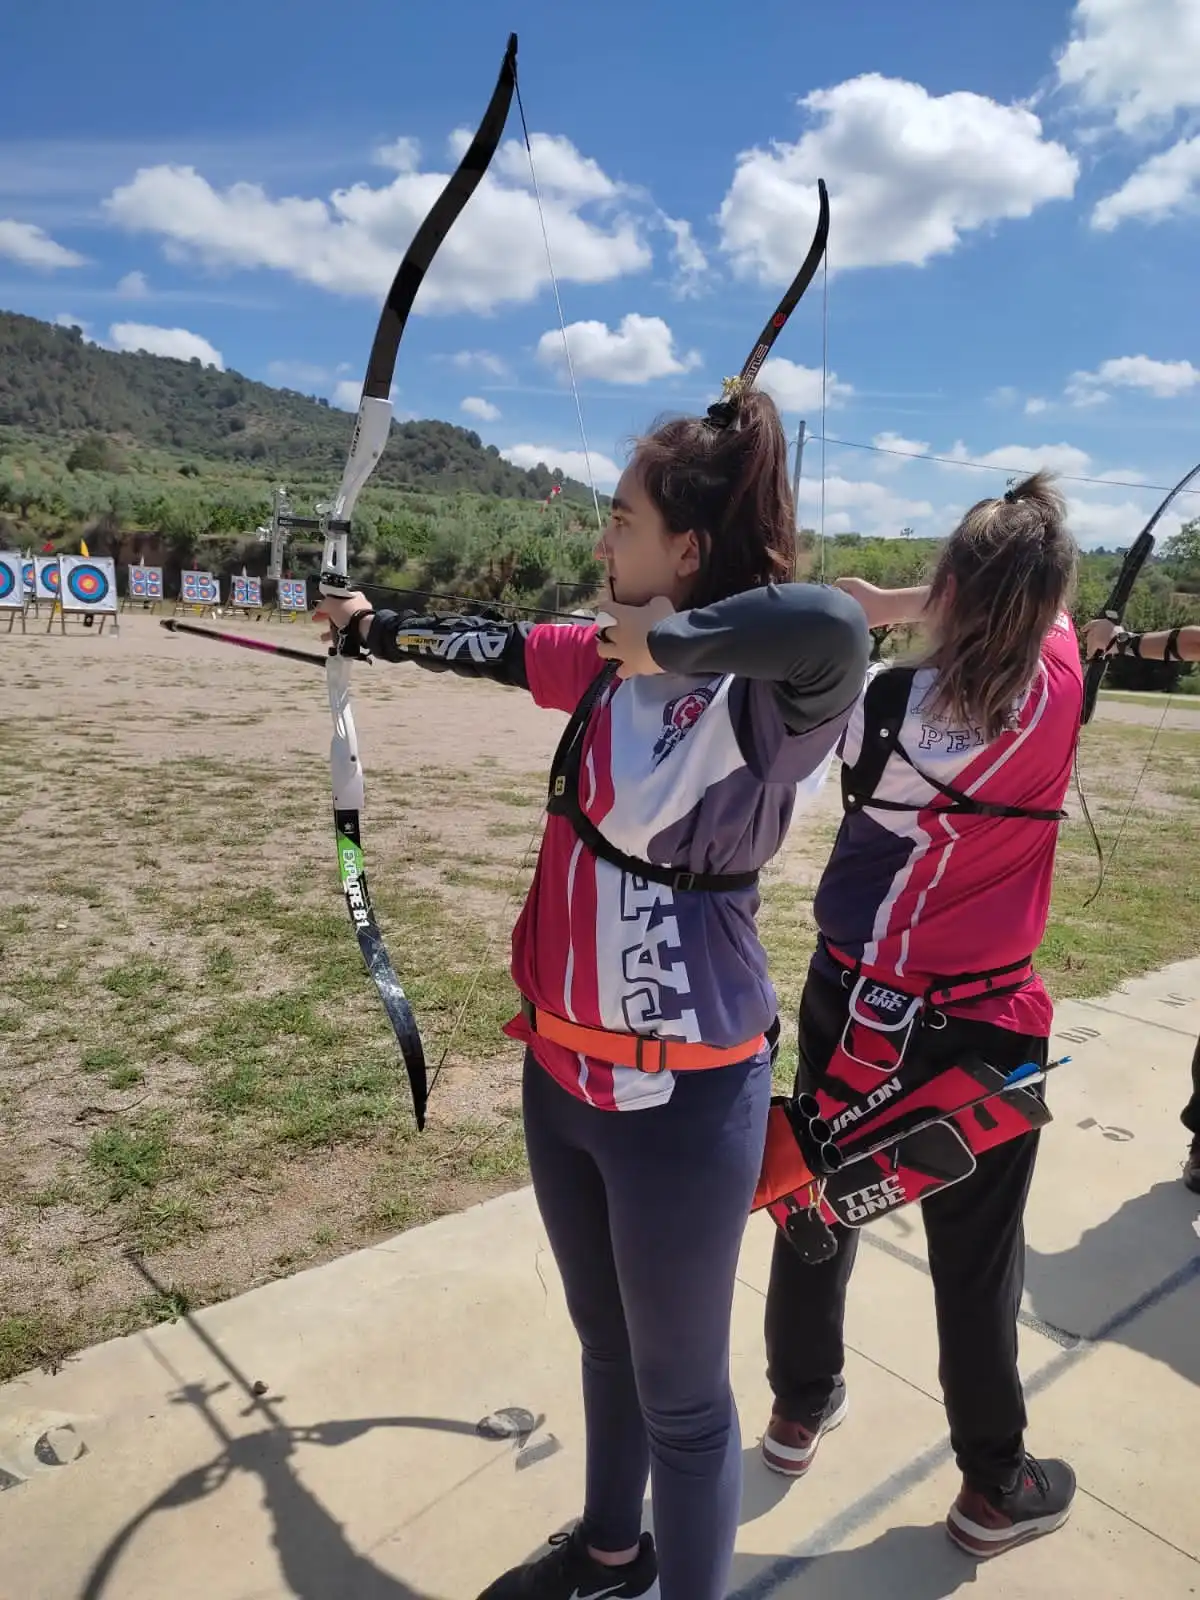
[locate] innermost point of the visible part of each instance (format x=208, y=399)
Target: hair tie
x=1010, y=496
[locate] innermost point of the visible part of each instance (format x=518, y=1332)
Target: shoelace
x=1035, y=1476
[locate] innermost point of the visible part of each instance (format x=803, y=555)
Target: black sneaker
x=789, y=1447
x=567, y=1572
x=985, y=1522
x=1191, y=1167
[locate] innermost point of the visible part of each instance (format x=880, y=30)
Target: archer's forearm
x=474, y=647
x=1185, y=646
x=811, y=642
x=893, y=608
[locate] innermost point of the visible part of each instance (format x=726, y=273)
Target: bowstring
x=1128, y=812
x=562, y=321
x=824, y=383
x=524, y=865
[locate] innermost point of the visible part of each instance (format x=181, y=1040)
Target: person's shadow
x=1107, y=1287
x=907, y=1563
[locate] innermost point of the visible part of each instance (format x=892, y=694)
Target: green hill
x=54, y=383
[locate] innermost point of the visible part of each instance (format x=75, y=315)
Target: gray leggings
x=645, y=1212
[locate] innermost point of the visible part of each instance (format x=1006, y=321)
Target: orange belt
x=644, y=1052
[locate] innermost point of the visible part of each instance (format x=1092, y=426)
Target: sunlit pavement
x=147, y=1469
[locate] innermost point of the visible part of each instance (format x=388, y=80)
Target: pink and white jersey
x=919, y=894
x=699, y=772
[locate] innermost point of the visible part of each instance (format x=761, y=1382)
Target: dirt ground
x=193, y=1063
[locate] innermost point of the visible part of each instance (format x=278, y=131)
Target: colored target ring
x=8, y=581
x=89, y=585
x=50, y=578
x=29, y=574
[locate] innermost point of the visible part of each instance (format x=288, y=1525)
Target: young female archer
x=935, y=898
x=713, y=701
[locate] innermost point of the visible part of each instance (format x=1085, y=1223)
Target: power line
x=987, y=466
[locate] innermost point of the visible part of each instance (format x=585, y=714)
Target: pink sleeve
x=560, y=662
x=1061, y=644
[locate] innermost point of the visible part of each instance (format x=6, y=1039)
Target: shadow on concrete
x=1108, y=1286
x=908, y=1563
x=316, y=1560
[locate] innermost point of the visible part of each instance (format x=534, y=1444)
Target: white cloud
x=176, y=342
x=640, y=350
x=859, y=506
x=1138, y=60
x=346, y=394
x=474, y=406
x=1166, y=184
x=484, y=360
x=352, y=242
x=909, y=174
x=1166, y=380
x=133, y=286
x=571, y=463
x=1035, y=405
x=402, y=155
x=797, y=388
x=32, y=246
x=561, y=170
x=689, y=260
x=901, y=451
x=1021, y=459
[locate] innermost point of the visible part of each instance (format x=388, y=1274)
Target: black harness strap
x=885, y=707
x=563, y=801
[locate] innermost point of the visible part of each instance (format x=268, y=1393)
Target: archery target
x=47, y=577
x=89, y=583
x=200, y=589
x=11, y=596
x=29, y=575
x=247, y=592
x=293, y=594
x=145, y=583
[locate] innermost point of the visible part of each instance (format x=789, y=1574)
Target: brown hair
x=1005, y=573
x=729, y=482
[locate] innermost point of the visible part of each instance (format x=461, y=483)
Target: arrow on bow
x=371, y=431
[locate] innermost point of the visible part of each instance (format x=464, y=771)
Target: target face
x=50, y=578
x=29, y=575
x=8, y=581
x=87, y=584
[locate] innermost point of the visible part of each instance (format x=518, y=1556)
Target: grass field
x=193, y=1064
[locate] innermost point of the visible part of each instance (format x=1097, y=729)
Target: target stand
x=14, y=597
x=87, y=588
x=291, y=600
x=144, y=587
x=199, y=592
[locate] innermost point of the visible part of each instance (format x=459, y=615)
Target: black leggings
x=645, y=1211
x=976, y=1260
x=1191, y=1112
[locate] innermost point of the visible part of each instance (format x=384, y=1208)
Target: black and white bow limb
x=371, y=430
x=1114, y=607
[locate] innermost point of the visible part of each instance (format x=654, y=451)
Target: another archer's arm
x=1106, y=638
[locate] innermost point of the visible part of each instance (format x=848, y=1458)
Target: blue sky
x=1012, y=264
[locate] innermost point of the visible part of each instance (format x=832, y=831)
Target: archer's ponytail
x=1003, y=576
x=726, y=477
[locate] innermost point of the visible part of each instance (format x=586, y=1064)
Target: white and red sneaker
x=789, y=1447
x=986, y=1522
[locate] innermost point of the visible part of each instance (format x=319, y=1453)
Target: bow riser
x=372, y=428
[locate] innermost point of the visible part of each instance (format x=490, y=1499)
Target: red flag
x=47, y=549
